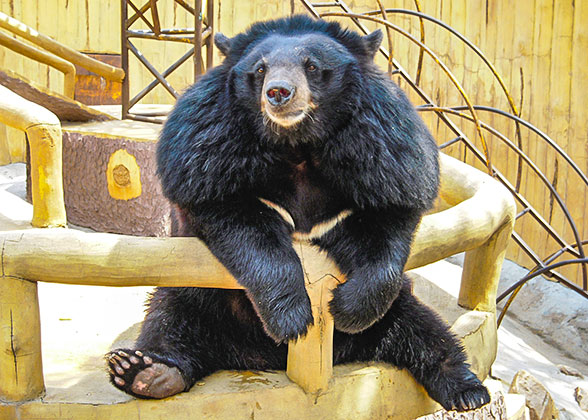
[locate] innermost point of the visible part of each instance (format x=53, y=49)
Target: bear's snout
x=279, y=92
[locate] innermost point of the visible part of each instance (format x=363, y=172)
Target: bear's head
x=297, y=74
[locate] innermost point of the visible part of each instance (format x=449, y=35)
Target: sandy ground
x=80, y=323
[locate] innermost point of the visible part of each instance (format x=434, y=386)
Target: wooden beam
x=484, y=206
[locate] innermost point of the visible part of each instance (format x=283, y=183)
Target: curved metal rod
x=552, y=189
x=547, y=261
x=438, y=61
x=561, y=251
x=532, y=165
x=417, y=4
x=389, y=36
x=539, y=263
x=462, y=38
x=537, y=131
x=507, y=304
x=547, y=269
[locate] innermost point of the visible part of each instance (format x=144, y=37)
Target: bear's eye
x=260, y=69
x=311, y=67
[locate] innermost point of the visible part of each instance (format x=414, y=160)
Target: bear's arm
x=254, y=243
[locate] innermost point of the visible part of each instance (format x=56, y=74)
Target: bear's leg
x=189, y=333
x=412, y=336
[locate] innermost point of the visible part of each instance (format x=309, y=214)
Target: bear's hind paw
x=143, y=374
x=463, y=394
x=468, y=399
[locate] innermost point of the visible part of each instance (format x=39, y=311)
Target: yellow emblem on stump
x=123, y=176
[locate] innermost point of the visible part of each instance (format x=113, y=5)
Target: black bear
x=297, y=134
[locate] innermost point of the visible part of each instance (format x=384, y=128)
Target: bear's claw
x=144, y=375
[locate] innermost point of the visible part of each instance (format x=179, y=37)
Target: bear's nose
x=279, y=92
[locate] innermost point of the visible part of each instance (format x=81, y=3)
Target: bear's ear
x=223, y=43
x=372, y=41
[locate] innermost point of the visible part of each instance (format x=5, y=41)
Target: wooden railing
x=43, y=131
x=54, y=54
x=479, y=221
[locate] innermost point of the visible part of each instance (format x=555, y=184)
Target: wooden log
x=21, y=369
x=109, y=72
x=117, y=260
x=44, y=136
x=120, y=192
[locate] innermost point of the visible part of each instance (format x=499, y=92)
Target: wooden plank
x=578, y=147
x=560, y=86
x=523, y=48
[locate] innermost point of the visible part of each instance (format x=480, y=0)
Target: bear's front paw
x=460, y=390
x=355, y=310
x=287, y=318
x=144, y=374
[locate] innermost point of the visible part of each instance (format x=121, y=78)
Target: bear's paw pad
x=143, y=374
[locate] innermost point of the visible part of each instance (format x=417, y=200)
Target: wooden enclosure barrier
x=67, y=68
x=69, y=54
x=43, y=131
x=479, y=222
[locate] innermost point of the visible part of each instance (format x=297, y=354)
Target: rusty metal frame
x=543, y=265
x=200, y=35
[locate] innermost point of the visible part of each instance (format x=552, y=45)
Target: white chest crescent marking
x=317, y=230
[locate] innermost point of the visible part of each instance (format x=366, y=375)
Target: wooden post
x=21, y=368
x=46, y=175
x=210, y=39
x=124, y=56
x=198, y=65
x=481, y=271
x=43, y=131
x=310, y=358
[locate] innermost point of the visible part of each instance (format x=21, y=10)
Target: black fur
x=362, y=148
